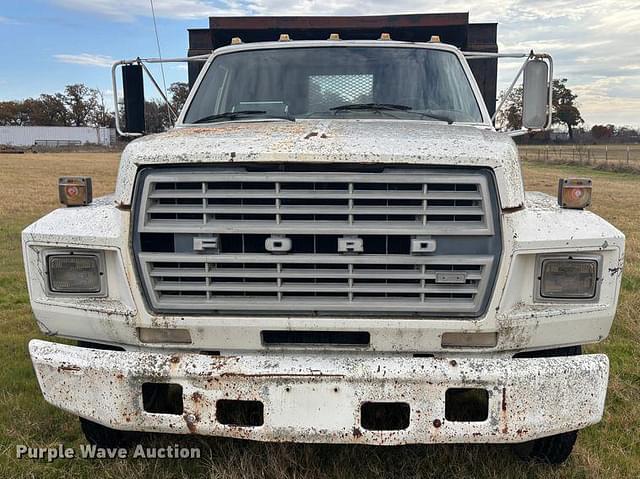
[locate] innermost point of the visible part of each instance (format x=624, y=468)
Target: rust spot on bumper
x=281, y=375
x=68, y=368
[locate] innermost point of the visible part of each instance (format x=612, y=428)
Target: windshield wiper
x=233, y=115
x=389, y=107
x=371, y=106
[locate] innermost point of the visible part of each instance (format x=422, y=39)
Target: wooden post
x=588, y=154
x=606, y=153
x=628, y=151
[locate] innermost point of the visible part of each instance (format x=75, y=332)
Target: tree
x=11, y=113
x=155, y=116
x=564, y=106
x=49, y=110
x=600, y=132
x=178, y=93
x=564, y=109
x=510, y=115
x=81, y=102
x=101, y=116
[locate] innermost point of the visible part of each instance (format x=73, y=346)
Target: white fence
x=56, y=135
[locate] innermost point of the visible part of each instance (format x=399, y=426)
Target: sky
x=47, y=44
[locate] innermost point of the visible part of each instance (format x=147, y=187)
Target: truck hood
x=329, y=141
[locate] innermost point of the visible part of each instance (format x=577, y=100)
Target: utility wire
x=164, y=81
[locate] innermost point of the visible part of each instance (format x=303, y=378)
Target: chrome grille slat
x=317, y=288
x=228, y=201
x=295, y=227
x=329, y=194
x=317, y=210
x=303, y=273
x=375, y=259
x=300, y=304
x=242, y=208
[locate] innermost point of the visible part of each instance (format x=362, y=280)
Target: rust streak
x=281, y=375
x=504, y=399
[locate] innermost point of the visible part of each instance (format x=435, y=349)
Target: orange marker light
x=574, y=193
x=75, y=190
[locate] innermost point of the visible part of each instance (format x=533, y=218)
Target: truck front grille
x=201, y=237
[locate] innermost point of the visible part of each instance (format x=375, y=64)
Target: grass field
x=610, y=449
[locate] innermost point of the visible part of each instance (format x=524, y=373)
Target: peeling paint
x=295, y=386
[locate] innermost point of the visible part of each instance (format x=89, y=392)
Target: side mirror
x=536, y=98
x=133, y=86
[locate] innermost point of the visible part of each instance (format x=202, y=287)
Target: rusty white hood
x=329, y=141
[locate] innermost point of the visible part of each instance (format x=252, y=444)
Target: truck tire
x=103, y=436
x=550, y=450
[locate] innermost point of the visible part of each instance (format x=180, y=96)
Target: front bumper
x=317, y=398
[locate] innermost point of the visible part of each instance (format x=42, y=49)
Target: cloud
x=9, y=21
x=88, y=59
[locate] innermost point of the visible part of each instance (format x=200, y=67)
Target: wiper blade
x=233, y=115
x=371, y=106
x=229, y=115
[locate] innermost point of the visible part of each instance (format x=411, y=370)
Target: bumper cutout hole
x=385, y=416
x=331, y=338
x=240, y=413
x=466, y=404
x=162, y=398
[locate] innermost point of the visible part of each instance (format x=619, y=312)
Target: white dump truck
x=333, y=245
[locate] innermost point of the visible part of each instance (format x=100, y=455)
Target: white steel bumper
x=317, y=398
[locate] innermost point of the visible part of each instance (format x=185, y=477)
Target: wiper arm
x=233, y=115
x=389, y=107
x=448, y=119
x=371, y=106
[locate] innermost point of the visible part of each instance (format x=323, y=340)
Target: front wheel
x=551, y=450
x=103, y=436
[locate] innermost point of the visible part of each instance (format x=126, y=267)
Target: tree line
x=79, y=105
x=565, y=112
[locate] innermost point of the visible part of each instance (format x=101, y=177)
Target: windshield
x=336, y=82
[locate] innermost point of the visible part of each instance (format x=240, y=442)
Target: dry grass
x=610, y=449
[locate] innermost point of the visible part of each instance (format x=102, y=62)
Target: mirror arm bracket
x=141, y=62
x=529, y=57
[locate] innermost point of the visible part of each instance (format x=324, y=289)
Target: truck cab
x=332, y=245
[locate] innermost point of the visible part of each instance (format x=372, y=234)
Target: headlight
x=569, y=277
x=76, y=272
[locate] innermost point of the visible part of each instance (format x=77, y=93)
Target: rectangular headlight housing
x=568, y=277
x=76, y=273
